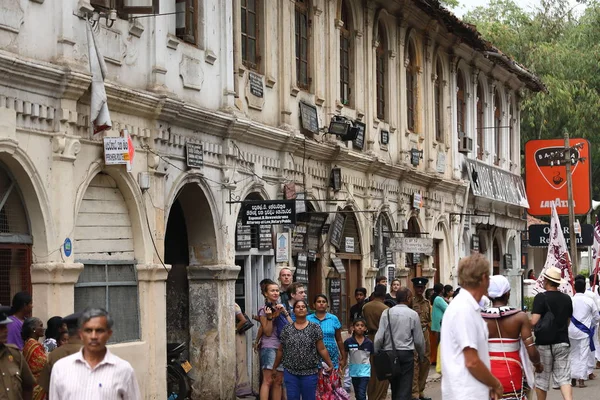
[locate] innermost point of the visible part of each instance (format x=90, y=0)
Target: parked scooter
x=179, y=384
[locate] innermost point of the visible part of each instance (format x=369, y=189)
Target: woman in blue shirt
x=332, y=331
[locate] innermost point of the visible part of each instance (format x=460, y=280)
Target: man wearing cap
x=423, y=308
x=16, y=379
x=71, y=347
x=553, y=344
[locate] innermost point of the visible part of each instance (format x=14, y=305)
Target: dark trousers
x=402, y=383
x=360, y=387
x=300, y=386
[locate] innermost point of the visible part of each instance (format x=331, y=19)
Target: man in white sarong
x=581, y=333
x=592, y=293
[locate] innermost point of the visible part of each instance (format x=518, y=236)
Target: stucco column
x=54, y=287
x=514, y=276
x=212, y=333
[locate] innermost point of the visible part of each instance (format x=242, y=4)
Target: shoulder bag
x=544, y=330
x=386, y=361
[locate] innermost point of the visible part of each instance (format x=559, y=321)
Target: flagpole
x=570, y=201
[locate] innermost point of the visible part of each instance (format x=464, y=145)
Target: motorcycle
x=178, y=382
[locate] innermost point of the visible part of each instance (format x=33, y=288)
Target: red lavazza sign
x=546, y=176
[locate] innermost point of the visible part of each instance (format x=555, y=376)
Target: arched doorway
x=255, y=256
x=15, y=240
x=104, y=245
x=344, y=280
x=190, y=242
x=414, y=261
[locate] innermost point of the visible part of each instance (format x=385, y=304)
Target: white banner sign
x=412, y=245
x=116, y=150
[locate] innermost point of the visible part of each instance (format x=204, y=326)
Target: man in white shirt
x=94, y=373
x=465, y=356
x=581, y=333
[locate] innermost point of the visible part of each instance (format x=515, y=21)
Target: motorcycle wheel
x=177, y=383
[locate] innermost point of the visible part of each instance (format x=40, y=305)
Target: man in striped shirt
x=94, y=373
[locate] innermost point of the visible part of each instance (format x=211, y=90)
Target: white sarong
x=580, y=351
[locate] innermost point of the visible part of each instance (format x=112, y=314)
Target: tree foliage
x=560, y=43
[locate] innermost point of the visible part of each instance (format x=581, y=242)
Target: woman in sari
x=34, y=352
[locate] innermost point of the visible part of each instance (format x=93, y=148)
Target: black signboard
x=338, y=265
x=475, y=243
x=336, y=179
x=312, y=243
x=256, y=84
x=315, y=224
x=325, y=229
x=539, y=235
x=301, y=268
x=243, y=237
x=194, y=155
x=337, y=230
x=416, y=258
x=415, y=156
x=508, y=261
x=335, y=294
x=360, y=138
x=269, y=212
x=312, y=255
x=384, y=137
x=299, y=237
x=391, y=274
x=309, y=117
x=265, y=237
x=389, y=256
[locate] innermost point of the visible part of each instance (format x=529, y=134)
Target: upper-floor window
x=302, y=32
x=250, y=57
x=186, y=20
x=497, y=127
x=411, y=87
x=345, y=54
x=461, y=106
x=480, y=127
x=380, y=73
x=439, y=103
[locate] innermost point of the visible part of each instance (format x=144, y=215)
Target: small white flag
x=558, y=256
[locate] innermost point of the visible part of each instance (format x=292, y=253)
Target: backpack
x=545, y=330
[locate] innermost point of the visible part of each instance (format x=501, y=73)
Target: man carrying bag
x=398, y=336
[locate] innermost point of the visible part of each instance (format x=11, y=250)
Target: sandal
x=592, y=376
x=581, y=383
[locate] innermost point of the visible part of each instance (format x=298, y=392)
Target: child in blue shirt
x=359, y=349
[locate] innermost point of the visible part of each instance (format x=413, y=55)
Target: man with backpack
x=551, y=315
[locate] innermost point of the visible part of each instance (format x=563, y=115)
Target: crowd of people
x=71, y=363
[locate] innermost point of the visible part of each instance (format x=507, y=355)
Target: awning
x=496, y=184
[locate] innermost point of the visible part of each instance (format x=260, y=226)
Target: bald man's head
x=404, y=296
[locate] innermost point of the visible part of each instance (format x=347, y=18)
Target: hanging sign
x=360, y=138
x=496, y=184
x=415, y=156
x=337, y=229
x=309, y=117
x=546, y=176
x=265, y=237
x=269, y=212
x=412, y=245
x=243, y=237
x=301, y=268
x=299, y=237
x=417, y=201
x=539, y=235
x=349, y=245
x=116, y=151
x=335, y=294
x=391, y=273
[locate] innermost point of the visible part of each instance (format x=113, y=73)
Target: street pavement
x=434, y=389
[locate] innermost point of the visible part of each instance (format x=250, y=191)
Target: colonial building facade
x=254, y=85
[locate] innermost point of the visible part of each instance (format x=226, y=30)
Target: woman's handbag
x=386, y=361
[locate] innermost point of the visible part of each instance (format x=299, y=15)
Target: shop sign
x=385, y=137
x=389, y=257
x=415, y=156
x=194, y=155
x=301, y=268
x=309, y=117
x=283, y=248
x=265, y=237
x=269, y=212
x=299, y=237
x=360, y=137
x=417, y=201
x=441, y=162
x=508, y=261
x=243, y=237
x=496, y=184
x=416, y=258
x=349, y=245
x=338, y=265
x=539, y=235
x=337, y=229
x=391, y=273
x=335, y=294
x=116, y=151
x=412, y=245
x=546, y=176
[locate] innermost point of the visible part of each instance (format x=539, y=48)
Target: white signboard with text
x=412, y=245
